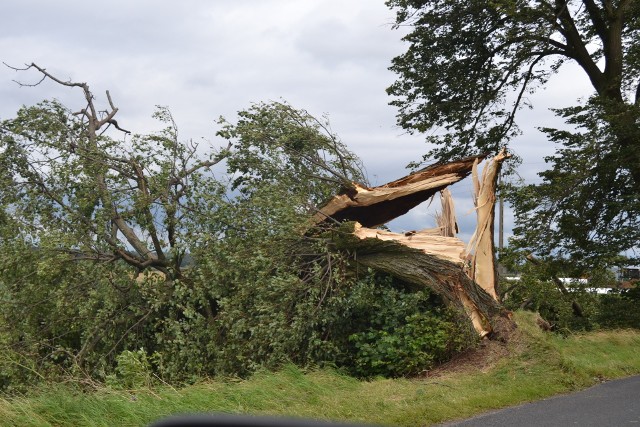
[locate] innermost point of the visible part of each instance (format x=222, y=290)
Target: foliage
x=308, y=302
x=536, y=291
x=539, y=365
x=105, y=222
x=98, y=198
x=620, y=309
x=275, y=144
x=402, y=346
x=587, y=209
x=543, y=296
x=133, y=371
x=58, y=314
x=467, y=71
x=310, y=315
x=465, y=58
x=126, y=260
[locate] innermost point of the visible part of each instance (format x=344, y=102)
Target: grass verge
x=534, y=365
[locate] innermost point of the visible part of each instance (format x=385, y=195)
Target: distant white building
x=570, y=281
x=629, y=273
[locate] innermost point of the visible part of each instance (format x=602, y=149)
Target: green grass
x=539, y=365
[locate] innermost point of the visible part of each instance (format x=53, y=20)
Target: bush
x=231, y=315
x=133, y=370
x=616, y=309
x=544, y=297
x=620, y=309
x=368, y=325
x=415, y=346
x=80, y=297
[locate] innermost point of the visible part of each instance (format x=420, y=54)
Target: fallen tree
x=463, y=274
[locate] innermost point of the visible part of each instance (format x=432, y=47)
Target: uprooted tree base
x=464, y=275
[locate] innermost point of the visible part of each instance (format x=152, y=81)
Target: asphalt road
x=614, y=403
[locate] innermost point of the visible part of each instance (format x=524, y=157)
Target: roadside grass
x=538, y=365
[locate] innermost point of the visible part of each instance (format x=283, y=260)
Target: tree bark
x=427, y=259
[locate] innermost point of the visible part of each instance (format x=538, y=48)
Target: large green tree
x=466, y=73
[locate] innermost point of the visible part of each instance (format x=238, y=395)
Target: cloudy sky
x=204, y=59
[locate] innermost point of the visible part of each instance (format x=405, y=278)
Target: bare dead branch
x=46, y=75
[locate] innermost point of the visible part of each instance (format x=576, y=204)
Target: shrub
x=620, y=309
x=132, y=371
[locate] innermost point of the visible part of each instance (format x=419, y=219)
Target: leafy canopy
x=276, y=143
x=587, y=208
x=467, y=71
x=469, y=65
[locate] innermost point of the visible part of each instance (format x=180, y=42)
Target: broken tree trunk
x=424, y=259
x=481, y=247
x=375, y=206
x=432, y=258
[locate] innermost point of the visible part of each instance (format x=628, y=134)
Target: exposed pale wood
x=375, y=206
x=428, y=241
x=433, y=257
x=481, y=247
x=446, y=220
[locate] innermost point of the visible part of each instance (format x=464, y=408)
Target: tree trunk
x=430, y=260
x=375, y=206
x=432, y=257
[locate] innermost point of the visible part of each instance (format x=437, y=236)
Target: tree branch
x=45, y=75
x=201, y=165
x=595, y=14
x=576, y=45
x=142, y=185
x=115, y=124
x=110, y=240
x=510, y=120
x=546, y=40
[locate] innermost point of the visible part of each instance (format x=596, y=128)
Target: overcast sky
x=204, y=59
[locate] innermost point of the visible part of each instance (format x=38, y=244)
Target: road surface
x=614, y=403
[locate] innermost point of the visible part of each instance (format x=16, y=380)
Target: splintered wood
x=430, y=241
x=376, y=206
x=481, y=247
x=446, y=220
x=464, y=274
